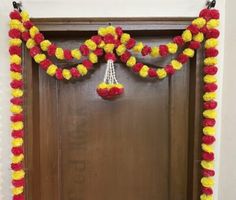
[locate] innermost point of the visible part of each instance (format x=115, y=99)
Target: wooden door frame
x=92, y=24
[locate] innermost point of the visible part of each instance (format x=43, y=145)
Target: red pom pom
x=34, y=51
x=205, y=13
x=28, y=24
x=207, y=172
x=117, y=43
x=16, y=84
x=17, y=150
x=15, y=50
x=211, y=52
x=208, y=122
x=212, y=33
x=88, y=64
x=14, y=33
x=193, y=28
x=207, y=139
x=17, y=100
x=110, y=56
x=84, y=50
x=97, y=39
x=119, y=31
x=17, y=117
x=211, y=70
x=207, y=191
x=130, y=44
x=163, y=49
x=182, y=58
x=18, y=183
x=208, y=156
x=204, y=30
x=194, y=45
x=74, y=72
x=210, y=104
x=98, y=51
x=114, y=91
x=59, y=75
x=169, y=69
x=45, y=64
x=38, y=38
x=152, y=72
x=52, y=49
x=19, y=197
x=146, y=50
x=103, y=92
x=210, y=87
x=125, y=56
x=15, y=68
x=214, y=14
x=17, y=166
x=25, y=36
x=17, y=134
x=15, y=15
x=109, y=39
x=67, y=54
x=178, y=40
x=137, y=67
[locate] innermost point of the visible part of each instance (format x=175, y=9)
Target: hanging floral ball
x=109, y=91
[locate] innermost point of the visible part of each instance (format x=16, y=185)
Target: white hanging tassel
x=110, y=87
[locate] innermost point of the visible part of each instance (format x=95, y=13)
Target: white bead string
x=110, y=75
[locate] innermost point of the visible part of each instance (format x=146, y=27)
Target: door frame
x=92, y=24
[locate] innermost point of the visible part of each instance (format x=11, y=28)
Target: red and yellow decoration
x=114, y=43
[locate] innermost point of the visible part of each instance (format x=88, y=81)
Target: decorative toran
x=113, y=43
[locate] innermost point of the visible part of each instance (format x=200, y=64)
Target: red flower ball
x=34, y=51
x=17, y=150
x=98, y=51
x=193, y=28
x=146, y=50
x=208, y=122
x=15, y=50
x=16, y=84
x=211, y=52
x=163, y=49
x=210, y=87
x=211, y=70
x=74, y=72
x=88, y=64
x=17, y=117
x=14, y=33
x=25, y=36
x=137, y=67
x=207, y=172
x=17, y=166
x=38, y=38
x=178, y=40
x=207, y=191
x=19, y=197
x=169, y=69
x=214, y=14
x=131, y=43
x=52, y=49
x=182, y=58
x=110, y=56
x=152, y=72
x=84, y=50
x=205, y=13
x=18, y=183
x=194, y=45
x=212, y=33
x=125, y=56
x=109, y=39
x=17, y=100
x=67, y=54
x=208, y=156
x=28, y=24
x=45, y=64
x=15, y=15
x=210, y=104
x=207, y=139
x=97, y=39
x=204, y=29
x=58, y=74
x=17, y=134
x=119, y=31
x=15, y=68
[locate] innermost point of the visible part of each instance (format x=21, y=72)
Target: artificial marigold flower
x=67, y=54
x=207, y=191
x=146, y=50
x=120, y=49
x=38, y=38
x=124, y=38
x=193, y=28
x=176, y=64
x=76, y=54
x=138, y=47
x=155, y=52
x=169, y=69
x=152, y=72
x=45, y=64
x=59, y=53
x=198, y=37
x=58, y=74
x=213, y=23
x=210, y=104
x=45, y=44
x=207, y=182
x=39, y=57
x=125, y=56
x=207, y=139
x=130, y=43
x=66, y=74
x=172, y=47
x=187, y=36
x=51, y=70
x=90, y=44
x=209, y=114
x=212, y=33
x=131, y=61
x=163, y=50
x=93, y=58
x=199, y=22
x=189, y=52
x=82, y=69
x=161, y=73
x=178, y=40
x=137, y=67
x=144, y=71
x=74, y=72
x=207, y=148
x=88, y=64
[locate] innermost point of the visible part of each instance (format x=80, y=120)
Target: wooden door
x=142, y=146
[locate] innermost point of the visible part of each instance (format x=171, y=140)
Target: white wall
x=103, y=8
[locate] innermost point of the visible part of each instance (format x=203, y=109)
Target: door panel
x=139, y=146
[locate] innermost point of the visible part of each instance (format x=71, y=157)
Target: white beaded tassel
x=110, y=74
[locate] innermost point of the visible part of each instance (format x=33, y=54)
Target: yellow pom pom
x=90, y=44
x=30, y=43
x=176, y=64
x=51, y=70
x=209, y=130
x=211, y=43
x=213, y=23
x=15, y=109
x=33, y=31
x=18, y=175
x=210, y=61
x=17, y=190
x=110, y=30
x=206, y=197
x=76, y=54
x=210, y=79
x=93, y=58
x=102, y=85
x=15, y=59
x=16, y=76
x=15, y=42
x=131, y=61
x=189, y=52
x=24, y=16
x=124, y=38
x=155, y=52
x=144, y=71
x=17, y=92
x=15, y=24
x=207, y=182
x=161, y=73
x=101, y=44
x=17, y=142
x=198, y=37
x=138, y=47
x=199, y=22
x=120, y=49
x=16, y=126
x=17, y=159
x=108, y=48
x=172, y=47
x=209, y=96
x=207, y=148
x=207, y=165
x=39, y=57
x=45, y=44
x=66, y=74
x=209, y=114
x=102, y=31
x=82, y=69
x=59, y=53
x=187, y=36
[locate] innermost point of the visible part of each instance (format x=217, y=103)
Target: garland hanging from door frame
x=112, y=43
